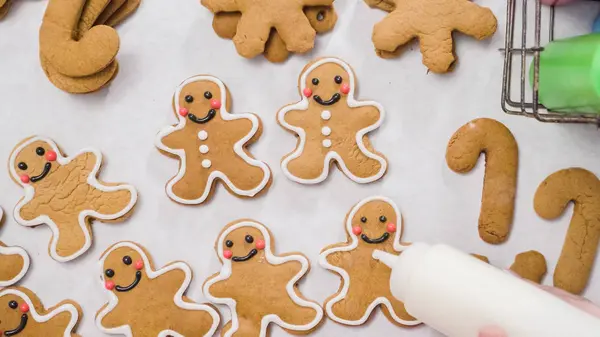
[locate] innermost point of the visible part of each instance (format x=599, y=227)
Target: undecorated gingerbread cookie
x=374, y=223
x=331, y=126
x=23, y=315
x=258, y=286
x=211, y=144
x=149, y=302
x=65, y=194
x=14, y=263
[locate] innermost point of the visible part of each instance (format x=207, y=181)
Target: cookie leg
x=309, y=165
x=297, y=315
x=192, y=323
x=10, y=267
x=353, y=307
x=437, y=50
x=243, y=175
x=246, y=327
x=359, y=164
x=71, y=237
x=251, y=37
x=192, y=185
x=109, y=203
x=297, y=33
x=392, y=32
x=398, y=311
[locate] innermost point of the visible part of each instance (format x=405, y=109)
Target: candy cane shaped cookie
x=500, y=181
x=579, y=250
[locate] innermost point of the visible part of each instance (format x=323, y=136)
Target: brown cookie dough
x=581, y=187
x=125, y=11
x=530, y=265
x=491, y=137
x=80, y=85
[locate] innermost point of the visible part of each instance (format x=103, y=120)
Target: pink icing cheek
x=109, y=285
x=260, y=244
x=356, y=230
x=24, y=308
x=307, y=92
x=345, y=89
x=139, y=265
x=50, y=155
x=183, y=112
x=24, y=179
x=227, y=254
x=215, y=104
x=391, y=227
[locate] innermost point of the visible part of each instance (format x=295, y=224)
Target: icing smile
x=334, y=99
x=18, y=329
x=138, y=278
x=380, y=239
x=44, y=173
x=245, y=258
x=210, y=115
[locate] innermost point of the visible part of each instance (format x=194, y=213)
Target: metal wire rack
x=526, y=102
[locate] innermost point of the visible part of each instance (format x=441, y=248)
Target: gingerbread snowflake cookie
x=331, y=126
x=14, y=263
x=149, y=302
x=23, y=315
x=373, y=224
x=432, y=22
x=272, y=296
x=210, y=144
x=65, y=194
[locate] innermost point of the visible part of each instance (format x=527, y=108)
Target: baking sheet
x=168, y=41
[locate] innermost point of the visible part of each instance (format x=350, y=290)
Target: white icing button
x=206, y=163
x=203, y=135
x=326, y=115
x=326, y=131
x=203, y=148
x=327, y=142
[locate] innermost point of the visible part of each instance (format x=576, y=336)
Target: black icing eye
x=109, y=273
x=22, y=166
x=40, y=151
x=363, y=219
x=249, y=238
x=13, y=304
x=189, y=98
x=315, y=81
x=229, y=243
x=208, y=95
x=338, y=79
x=127, y=259
x=382, y=218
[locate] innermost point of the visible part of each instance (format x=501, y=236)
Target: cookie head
x=243, y=244
x=33, y=162
x=14, y=313
x=327, y=83
x=374, y=223
x=123, y=270
x=199, y=100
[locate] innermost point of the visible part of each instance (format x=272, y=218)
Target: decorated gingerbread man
x=65, y=194
x=23, y=315
x=14, y=263
x=259, y=287
x=148, y=302
x=210, y=144
x=374, y=223
x=332, y=127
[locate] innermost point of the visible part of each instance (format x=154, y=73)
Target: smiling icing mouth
x=44, y=173
x=210, y=115
x=380, y=239
x=245, y=258
x=334, y=99
x=138, y=278
x=18, y=329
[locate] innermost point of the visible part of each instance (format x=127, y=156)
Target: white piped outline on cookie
x=67, y=307
x=91, y=180
x=346, y=277
x=225, y=273
x=13, y=250
x=237, y=147
x=178, y=298
x=331, y=155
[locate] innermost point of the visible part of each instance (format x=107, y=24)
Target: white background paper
x=167, y=41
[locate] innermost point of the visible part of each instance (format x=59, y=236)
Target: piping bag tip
x=386, y=258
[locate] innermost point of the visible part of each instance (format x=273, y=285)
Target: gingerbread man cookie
x=14, y=263
x=331, y=126
x=149, y=302
x=24, y=315
x=210, y=144
x=260, y=16
x=65, y=194
x=374, y=223
x=245, y=249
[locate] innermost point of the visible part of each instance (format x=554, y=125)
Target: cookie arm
x=173, y=140
x=474, y=20
x=112, y=319
x=221, y=289
x=216, y=6
x=366, y=116
x=296, y=118
x=393, y=31
x=339, y=258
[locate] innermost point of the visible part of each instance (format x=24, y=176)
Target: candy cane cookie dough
x=331, y=127
x=258, y=286
x=211, y=144
x=374, y=223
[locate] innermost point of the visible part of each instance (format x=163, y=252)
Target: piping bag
x=459, y=295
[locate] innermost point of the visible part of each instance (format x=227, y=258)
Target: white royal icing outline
x=14, y=250
x=225, y=273
x=91, y=180
x=67, y=307
x=178, y=298
x=346, y=277
x=331, y=155
x=237, y=147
